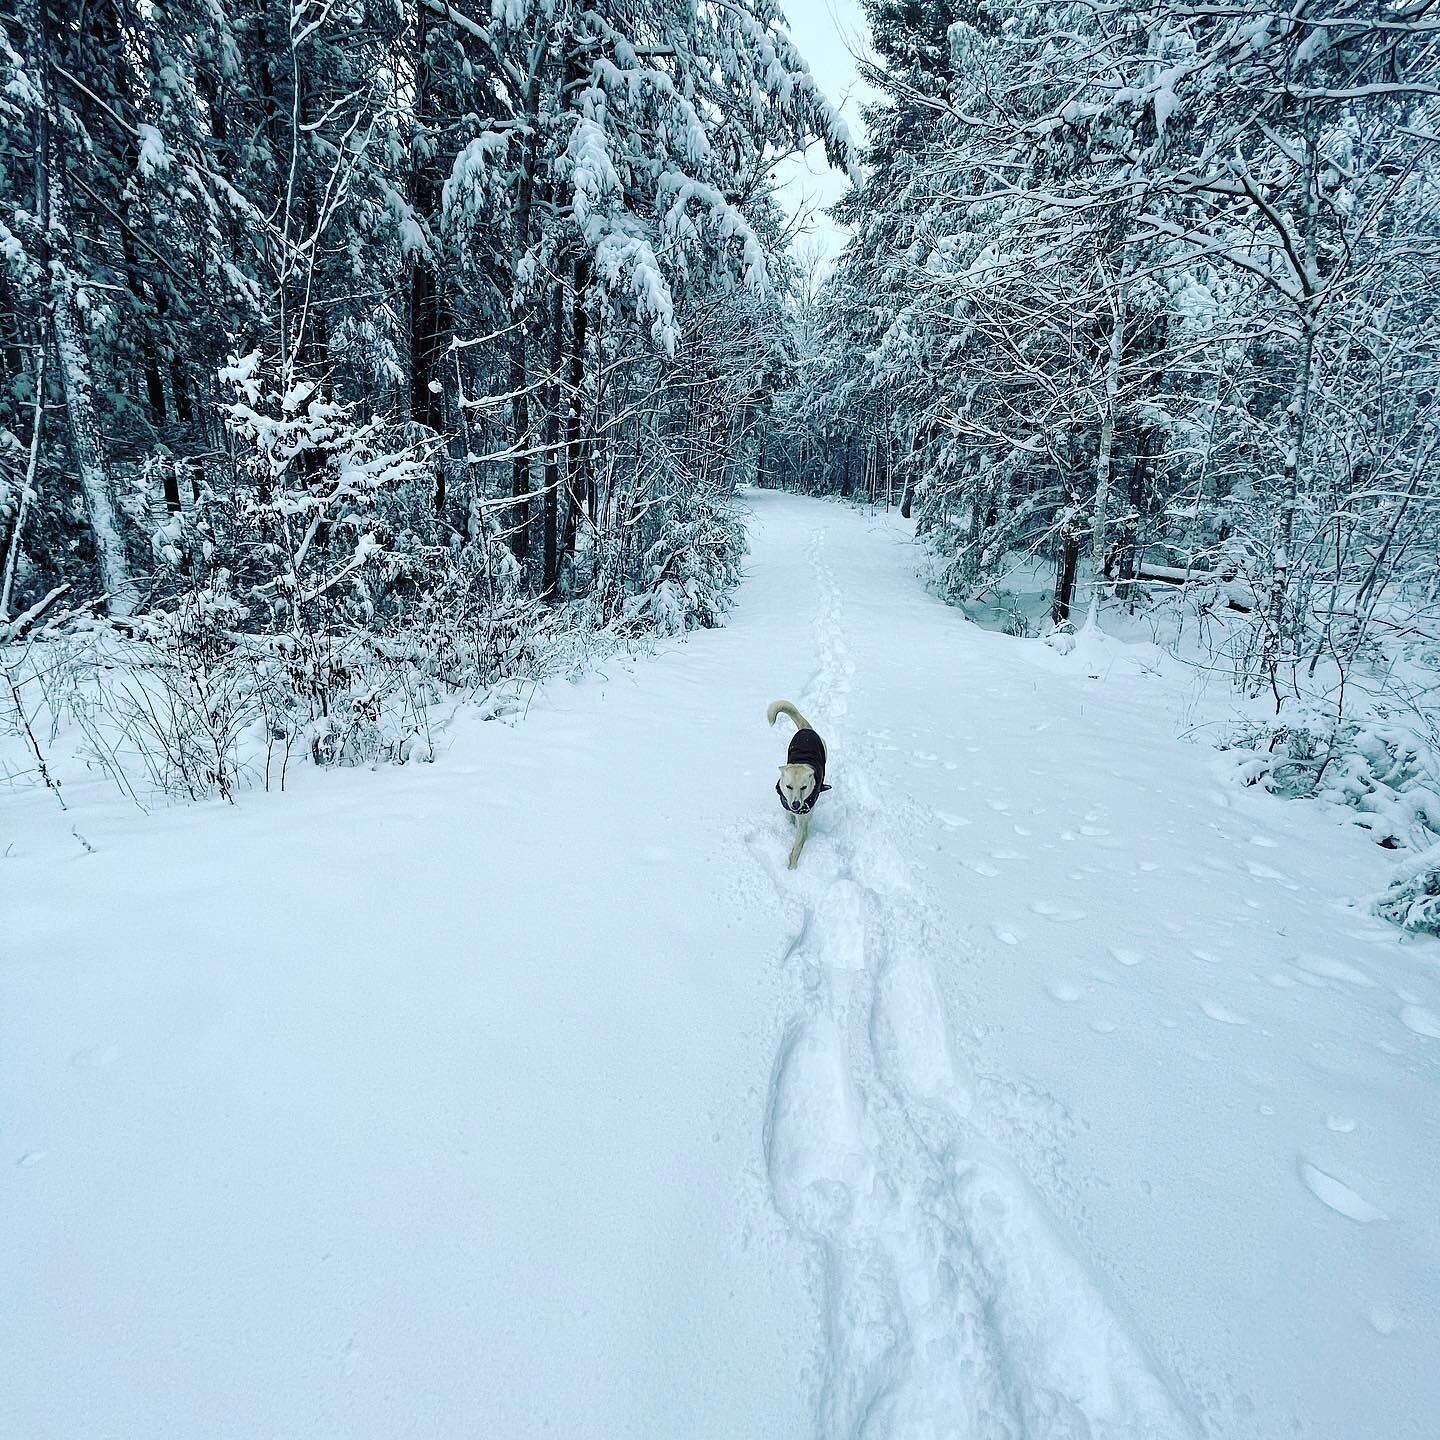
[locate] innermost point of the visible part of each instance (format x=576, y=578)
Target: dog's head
x=797, y=786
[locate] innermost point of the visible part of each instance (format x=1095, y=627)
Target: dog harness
x=806, y=748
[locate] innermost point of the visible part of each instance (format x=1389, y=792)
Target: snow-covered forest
x=431, y=434
x=343, y=344
x=1145, y=292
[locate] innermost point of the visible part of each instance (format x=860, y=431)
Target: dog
x=802, y=776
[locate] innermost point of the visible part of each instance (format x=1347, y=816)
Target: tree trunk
x=27, y=489
x=551, y=503
x=1103, y=467
x=1067, y=563
x=428, y=320
x=576, y=460
x=1296, y=425
x=70, y=353
x=907, y=495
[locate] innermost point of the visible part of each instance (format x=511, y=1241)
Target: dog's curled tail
x=784, y=707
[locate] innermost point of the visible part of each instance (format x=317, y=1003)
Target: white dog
x=802, y=776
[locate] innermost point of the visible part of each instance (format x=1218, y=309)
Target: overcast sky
x=828, y=34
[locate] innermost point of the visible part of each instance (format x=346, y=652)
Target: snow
x=530, y=1092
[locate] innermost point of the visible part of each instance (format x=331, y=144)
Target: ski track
x=951, y=1305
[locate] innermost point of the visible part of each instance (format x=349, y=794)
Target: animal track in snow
x=949, y=821
x=1334, y=970
x=96, y=1057
x=1421, y=1021
x=1339, y=1196
x=1058, y=913
x=1220, y=1013
x=1268, y=872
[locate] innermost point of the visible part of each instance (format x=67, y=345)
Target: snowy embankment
x=1059, y=1093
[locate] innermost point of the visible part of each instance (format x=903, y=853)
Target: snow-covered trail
x=1134, y=1117
x=1055, y=1095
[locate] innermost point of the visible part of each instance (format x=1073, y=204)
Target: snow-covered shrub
x=691, y=569
x=1412, y=899
x=188, y=693
x=1387, y=772
x=1015, y=621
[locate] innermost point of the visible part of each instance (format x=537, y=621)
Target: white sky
x=827, y=32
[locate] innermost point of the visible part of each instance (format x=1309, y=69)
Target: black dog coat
x=806, y=748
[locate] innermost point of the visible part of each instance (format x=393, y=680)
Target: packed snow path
x=1057, y=1094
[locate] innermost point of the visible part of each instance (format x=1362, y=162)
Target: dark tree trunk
x=428, y=320
x=1067, y=564
x=180, y=391
x=149, y=352
x=907, y=497
x=577, y=480
x=551, y=504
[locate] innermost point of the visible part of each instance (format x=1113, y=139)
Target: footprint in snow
x=838, y=926
x=1062, y=991
x=1340, y=1124
x=1006, y=855
x=1421, y=1021
x=1335, y=970
x=981, y=867
x=1221, y=1014
x=1103, y=1027
x=1339, y=1196
x=949, y=821
x=1267, y=872
x=1057, y=913
x=818, y=1162
x=1007, y=935
x=1265, y=842
x=1126, y=957
x=96, y=1057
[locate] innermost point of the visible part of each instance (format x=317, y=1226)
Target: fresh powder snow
x=1062, y=1091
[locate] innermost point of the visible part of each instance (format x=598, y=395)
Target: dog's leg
x=802, y=829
